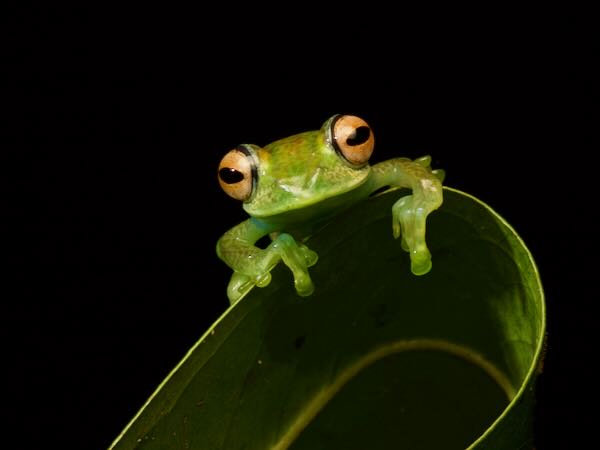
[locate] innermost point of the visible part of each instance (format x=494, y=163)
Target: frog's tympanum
x=295, y=185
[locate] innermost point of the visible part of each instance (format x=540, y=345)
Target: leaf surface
x=376, y=358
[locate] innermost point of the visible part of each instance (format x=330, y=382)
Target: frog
x=295, y=185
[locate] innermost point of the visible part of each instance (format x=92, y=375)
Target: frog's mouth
x=306, y=197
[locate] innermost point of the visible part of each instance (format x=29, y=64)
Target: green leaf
x=376, y=358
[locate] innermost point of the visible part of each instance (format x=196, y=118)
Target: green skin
x=302, y=183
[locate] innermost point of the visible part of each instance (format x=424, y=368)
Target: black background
x=122, y=117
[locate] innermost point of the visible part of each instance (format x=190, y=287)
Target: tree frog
x=294, y=185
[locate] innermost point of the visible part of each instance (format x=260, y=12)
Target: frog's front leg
x=409, y=214
x=252, y=265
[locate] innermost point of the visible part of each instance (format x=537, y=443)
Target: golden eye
x=353, y=139
x=237, y=173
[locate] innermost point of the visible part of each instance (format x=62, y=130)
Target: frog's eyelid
x=249, y=152
x=329, y=126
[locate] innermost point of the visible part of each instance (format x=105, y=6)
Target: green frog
x=295, y=185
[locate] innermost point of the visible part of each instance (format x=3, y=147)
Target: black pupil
x=360, y=136
x=230, y=176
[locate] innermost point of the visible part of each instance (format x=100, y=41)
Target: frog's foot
x=424, y=161
x=440, y=174
x=409, y=215
x=409, y=221
x=298, y=257
x=239, y=285
x=310, y=257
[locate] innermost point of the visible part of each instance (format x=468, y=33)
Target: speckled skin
x=302, y=182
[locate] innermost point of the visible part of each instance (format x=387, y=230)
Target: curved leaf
x=376, y=358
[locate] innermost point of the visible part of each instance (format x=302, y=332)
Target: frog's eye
x=237, y=173
x=353, y=139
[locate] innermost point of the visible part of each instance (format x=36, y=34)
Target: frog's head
x=301, y=170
